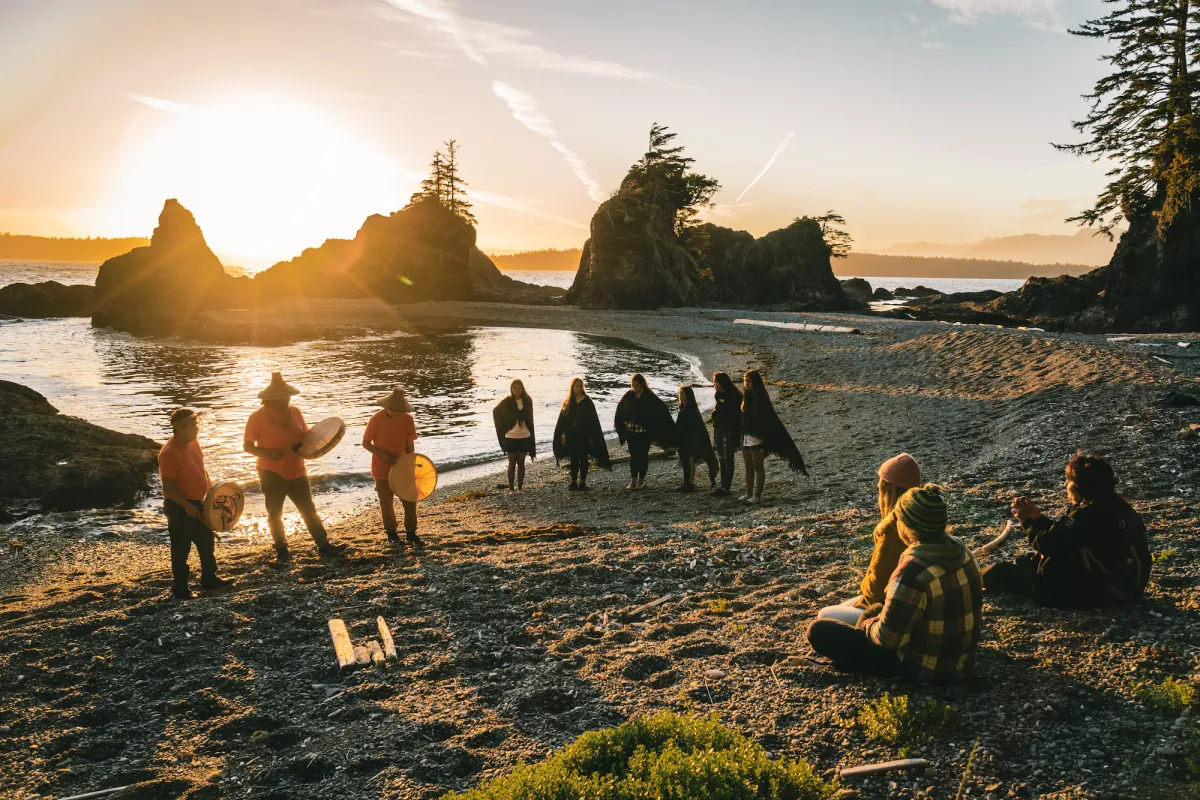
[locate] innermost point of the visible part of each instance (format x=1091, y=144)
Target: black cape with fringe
x=580, y=419
x=759, y=419
x=648, y=412
x=506, y=414
x=693, y=437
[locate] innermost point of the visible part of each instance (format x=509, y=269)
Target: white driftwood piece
x=342, y=648
x=886, y=766
x=984, y=549
x=385, y=635
x=796, y=326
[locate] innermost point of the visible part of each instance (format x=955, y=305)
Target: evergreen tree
x=663, y=177
x=837, y=239
x=1141, y=113
x=444, y=185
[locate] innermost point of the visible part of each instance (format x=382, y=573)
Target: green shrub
x=1164, y=555
x=896, y=721
x=665, y=757
x=1172, y=695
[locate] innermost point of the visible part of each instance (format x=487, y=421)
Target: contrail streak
x=778, y=152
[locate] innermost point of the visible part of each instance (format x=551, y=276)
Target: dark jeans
x=727, y=443
x=276, y=489
x=850, y=649
x=579, y=464
x=639, y=454
x=184, y=532
x=1013, y=577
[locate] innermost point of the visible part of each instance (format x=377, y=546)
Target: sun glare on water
x=264, y=178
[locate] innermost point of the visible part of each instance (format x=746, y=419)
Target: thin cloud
x=170, y=106
x=520, y=206
x=525, y=111
x=770, y=163
x=1037, y=13
x=480, y=40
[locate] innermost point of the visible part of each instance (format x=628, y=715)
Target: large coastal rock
x=786, y=267
x=60, y=463
x=46, y=299
x=161, y=287
x=633, y=259
x=422, y=252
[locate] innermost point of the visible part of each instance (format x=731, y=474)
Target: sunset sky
x=281, y=123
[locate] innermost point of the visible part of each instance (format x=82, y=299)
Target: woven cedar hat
x=278, y=388
x=182, y=414
x=396, y=401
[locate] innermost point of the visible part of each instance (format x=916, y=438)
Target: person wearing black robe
x=642, y=418
x=763, y=434
x=727, y=428
x=514, y=428
x=579, y=437
x=694, y=444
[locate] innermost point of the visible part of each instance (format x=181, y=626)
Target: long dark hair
x=687, y=397
x=757, y=388
x=723, y=383
x=512, y=389
x=571, y=393
x=639, y=378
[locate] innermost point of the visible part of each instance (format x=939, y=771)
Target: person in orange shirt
x=273, y=434
x=390, y=434
x=185, y=483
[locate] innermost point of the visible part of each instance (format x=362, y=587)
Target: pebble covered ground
x=514, y=627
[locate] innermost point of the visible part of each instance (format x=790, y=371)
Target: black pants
x=184, y=532
x=276, y=489
x=639, y=455
x=850, y=649
x=1012, y=577
x=727, y=442
x=579, y=464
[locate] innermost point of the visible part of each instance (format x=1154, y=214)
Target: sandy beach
x=513, y=626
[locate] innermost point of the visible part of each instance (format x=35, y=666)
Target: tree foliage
x=836, y=238
x=444, y=185
x=1141, y=115
x=663, y=177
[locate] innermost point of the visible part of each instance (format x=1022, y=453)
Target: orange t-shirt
x=185, y=464
x=261, y=430
x=390, y=432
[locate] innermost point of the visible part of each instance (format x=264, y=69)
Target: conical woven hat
x=278, y=388
x=396, y=401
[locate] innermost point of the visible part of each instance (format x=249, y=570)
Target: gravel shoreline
x=513, y=628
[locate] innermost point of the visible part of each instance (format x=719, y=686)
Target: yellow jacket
x=884, y=559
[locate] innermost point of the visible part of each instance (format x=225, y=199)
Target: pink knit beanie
x=902, y=470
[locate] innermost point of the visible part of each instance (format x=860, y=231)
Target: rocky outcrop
x=881, y=293
x=857, y=289
x=633, y=259
x=60, y=463
x=160, y=288
x=916, y=291
x=47, y=299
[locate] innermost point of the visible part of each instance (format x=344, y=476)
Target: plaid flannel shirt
x=933, y=612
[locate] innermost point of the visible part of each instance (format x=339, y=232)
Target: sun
x=265, y=178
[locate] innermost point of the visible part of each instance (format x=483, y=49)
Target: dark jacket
x=649, y=413
x=727, y=413
x=692, y=435
x=759, y=419
x=506, y=414
x=1095, y=556
x=580, y=424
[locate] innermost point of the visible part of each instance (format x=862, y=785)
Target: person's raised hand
x=1024, y=509
x=387, y=458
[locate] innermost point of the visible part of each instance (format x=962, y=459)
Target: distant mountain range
x=18, y=247
x=1083, y=247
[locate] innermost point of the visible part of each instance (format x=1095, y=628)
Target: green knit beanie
x=923, y=509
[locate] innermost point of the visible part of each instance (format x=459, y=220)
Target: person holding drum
x=390, y=434
x=185, y=482
x=273, y=434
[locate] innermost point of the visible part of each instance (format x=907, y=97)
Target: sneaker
x=184, y=594
x=216, y=583
x=283, y=555
x=573, y=488
x=753, y=501
x=393, y=537
x=332, y=550
x=719, y=492
x=414, y=540
x=687, y=487
x=745, y=498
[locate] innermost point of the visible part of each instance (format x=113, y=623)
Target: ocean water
x=454, y=378
x=943, y=285
x=543, y=277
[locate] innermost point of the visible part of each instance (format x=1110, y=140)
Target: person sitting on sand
x=185, y=483
x=897, y=475
x=513, y=417
x=1092, y=557
x=931, y=620
x=642, y=418
x=727, y=427
x=763, y=434
x=390, y=434
x=273, y=434
x=579, y=437
x=692, y=435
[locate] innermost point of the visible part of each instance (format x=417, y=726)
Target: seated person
x=896, y=476
x=932, y=613
x=1094, y=556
